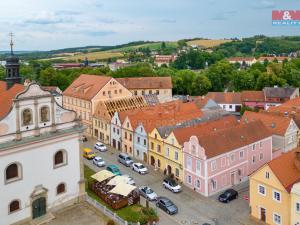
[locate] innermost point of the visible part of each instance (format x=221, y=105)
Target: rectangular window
x=130, y=137
x=214, y=184
x=177, y=172
x=261, y=156
x=158, y=148
x=276, y=196
x=144, y=142
x=253, y=159
x=189, y=179
x=267, y=175
x=152, y=146
x=241, y=154
x=260, y=144
x=232, y=158
x=261, y=190
x=189, y=163
x=138, y=140
x=277, y=219
x=198, y=167
x=167, y=152
x=176, y=155
x=223, y=162
x=297, y=207
x=197, y=184
x=253, y=147
x=213, y=165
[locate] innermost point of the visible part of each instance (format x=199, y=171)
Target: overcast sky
x=53, y=24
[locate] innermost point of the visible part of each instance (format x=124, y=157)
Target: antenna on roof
x=11, y=43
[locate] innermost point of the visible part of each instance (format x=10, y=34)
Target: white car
x=98, y=161
x=148, y=193
x=140, y=168
x=100, y=146
x=171, y=185
x=130, y=180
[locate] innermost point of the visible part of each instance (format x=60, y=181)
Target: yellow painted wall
x=126, y=142
x=295, y=198
x=103, y=127
x=272, y=206
x=155, y=138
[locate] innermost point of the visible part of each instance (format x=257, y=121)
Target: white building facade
x=40, y=165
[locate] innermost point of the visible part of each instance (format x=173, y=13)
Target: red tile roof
x=238, y=59
x=183, y=134
x=86, y=86
x=7, y=96
x=284, y=168
x=276, y=124
x=164, y=114
x=225, y=97
x=253, y=96
x=217, y=143
x=146, y=82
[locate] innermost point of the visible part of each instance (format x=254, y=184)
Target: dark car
x=228, y=195
x=167, y=205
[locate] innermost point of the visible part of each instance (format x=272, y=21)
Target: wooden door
x=263, y=214
x=38, y=207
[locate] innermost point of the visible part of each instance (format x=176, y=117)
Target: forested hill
x=260, y=45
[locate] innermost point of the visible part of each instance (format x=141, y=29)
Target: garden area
x=132, y=213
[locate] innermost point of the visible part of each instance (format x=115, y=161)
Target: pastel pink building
x=225, y=158
x=253, y=99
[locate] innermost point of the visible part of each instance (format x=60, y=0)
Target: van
x=88, y=153
x=125, y=159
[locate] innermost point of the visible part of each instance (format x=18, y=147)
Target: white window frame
x=214, y=187
x=232, y=157
x=276, y=214
x=197, y=180
x=243, y=154
x=189, y=163
x=261, y=158
x=198, y=165
x=258, y=189
x=297, y=207
x=267, y=175
x=273, y=193
x=176, y=155
x=223, y=159
x=189, y=179
x=213, y=165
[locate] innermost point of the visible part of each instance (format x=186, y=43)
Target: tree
x=183, y=82
x=163, y=45
x=242, y=80
x=181, y=44
x=269, y=80
x=200, y=85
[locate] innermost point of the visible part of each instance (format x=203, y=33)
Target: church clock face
x=27, y=117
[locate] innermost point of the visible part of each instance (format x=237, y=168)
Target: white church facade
x=41, y=167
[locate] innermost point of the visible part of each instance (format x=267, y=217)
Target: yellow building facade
x=269, y=200
x=295, y=204
x=166, y=154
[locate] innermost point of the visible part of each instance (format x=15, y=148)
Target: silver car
x=148, y=193
x=98, y=161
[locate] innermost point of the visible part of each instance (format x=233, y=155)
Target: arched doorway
x=145, y=157
x=152, y=161
x=38, y=207
x=169, y=169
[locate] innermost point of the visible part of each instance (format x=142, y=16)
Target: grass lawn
x=207, y=43
x=133, y=213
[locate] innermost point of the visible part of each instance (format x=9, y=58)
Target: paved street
x=193, y=208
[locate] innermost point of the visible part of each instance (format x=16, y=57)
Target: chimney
x=297, y=159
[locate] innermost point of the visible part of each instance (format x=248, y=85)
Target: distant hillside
x=207, y=43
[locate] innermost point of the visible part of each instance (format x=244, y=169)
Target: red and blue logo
x=286, y=17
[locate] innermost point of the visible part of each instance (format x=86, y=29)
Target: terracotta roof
x=288, y=174
x=253, y=96
x=279, y=92
x=161, y=115
x=225, y=97
x=146, y=82
x=276, y=124
x=183, y=134
x=272, y=58
x=238, y=59
x=7, y=96
x=217, y=143
x=86, y=86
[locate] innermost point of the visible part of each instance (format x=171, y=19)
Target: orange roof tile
x=220, y=142
x=238, y=59
x=161, y=115
x=225, y=97
x=86, y=86
x=183, y=134
x=146, y=82
x=276, y=124
x=253, y=96
x=7, y=96
x=287, y=174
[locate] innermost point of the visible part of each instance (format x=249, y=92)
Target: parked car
x=228, y=195
x=148, y=193
x=167, y=205
x=88, y=153
x=130, y=180
x=125, y=159
x=114, y=169
x=171, y=185
x=98, y=161
x=140, y=168
x=100, y=146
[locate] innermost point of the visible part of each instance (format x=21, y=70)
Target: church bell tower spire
x=12, y=67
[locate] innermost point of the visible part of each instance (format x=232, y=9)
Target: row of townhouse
x=249, y=61
x=275, y=190
x=87, y=91
x=268, y=97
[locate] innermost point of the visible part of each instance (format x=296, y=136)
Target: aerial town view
x=146, y=112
